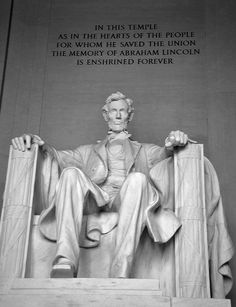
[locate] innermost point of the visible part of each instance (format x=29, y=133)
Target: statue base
x=92, y=292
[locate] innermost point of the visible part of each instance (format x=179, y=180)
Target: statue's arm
x=155, y=153
x=64, y=158
x=50, y=164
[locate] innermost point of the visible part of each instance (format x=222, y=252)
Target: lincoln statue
x=113, y=184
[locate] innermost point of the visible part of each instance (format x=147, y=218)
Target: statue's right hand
x=25, y=141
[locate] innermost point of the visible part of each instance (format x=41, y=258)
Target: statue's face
x=117, y=115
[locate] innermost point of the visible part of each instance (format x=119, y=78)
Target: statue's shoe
x=63, y=269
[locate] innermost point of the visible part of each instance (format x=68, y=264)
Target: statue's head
x=118, y=111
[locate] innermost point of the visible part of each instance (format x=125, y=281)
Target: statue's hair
x=119, y=96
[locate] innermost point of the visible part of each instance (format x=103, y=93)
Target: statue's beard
x=117, y=127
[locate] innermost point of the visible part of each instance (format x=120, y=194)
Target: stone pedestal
x=92, y=292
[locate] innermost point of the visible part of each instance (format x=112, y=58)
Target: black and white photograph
x=117, y=153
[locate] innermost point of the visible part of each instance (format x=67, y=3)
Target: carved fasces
x=191, y=249
x=17, y=212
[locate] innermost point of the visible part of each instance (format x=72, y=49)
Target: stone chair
x=25, y=253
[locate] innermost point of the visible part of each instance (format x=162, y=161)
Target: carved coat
x=92, y=160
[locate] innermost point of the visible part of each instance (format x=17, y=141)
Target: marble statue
x=116, y=183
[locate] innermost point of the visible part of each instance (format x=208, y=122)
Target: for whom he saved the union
x=113, y=183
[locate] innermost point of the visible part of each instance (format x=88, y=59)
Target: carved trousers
x=133, y=198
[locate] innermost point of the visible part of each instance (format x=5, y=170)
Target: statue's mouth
x=117, y=125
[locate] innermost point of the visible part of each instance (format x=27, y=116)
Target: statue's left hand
x=175, y=139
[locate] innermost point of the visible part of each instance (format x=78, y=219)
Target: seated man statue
x=110, y=183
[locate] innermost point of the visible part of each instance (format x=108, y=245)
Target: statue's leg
x=134, y=197
x=71, y=194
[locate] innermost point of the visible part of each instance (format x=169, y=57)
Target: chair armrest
x=17, y=212
x=191, y=248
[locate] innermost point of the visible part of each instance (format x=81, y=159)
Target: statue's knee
x=137, y=178
x=71, y=173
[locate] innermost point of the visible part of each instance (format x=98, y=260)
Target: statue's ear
x=105, y=115
x=131, y=116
